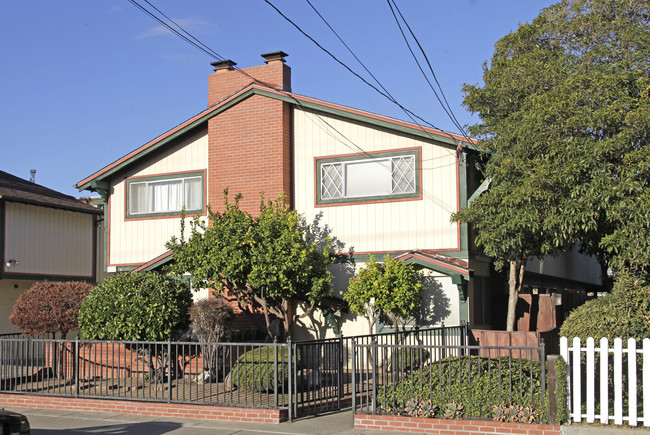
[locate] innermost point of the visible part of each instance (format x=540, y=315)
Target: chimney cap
x=274, y=55
x=223, y=64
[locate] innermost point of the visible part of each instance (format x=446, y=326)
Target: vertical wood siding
x=137, y=241
x=387, y=226
x=48, y=241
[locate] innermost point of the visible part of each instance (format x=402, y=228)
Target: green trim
x=462, y=194
x=482, y=188
x=366, y=119
x=282, y=97
x=158, y=263
x=353, y=158
x=49, y=205
x=125, y=268
x=130, y=181
x=2, y=237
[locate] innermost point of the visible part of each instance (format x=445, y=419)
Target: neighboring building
x=382, y=186
x=44, y=235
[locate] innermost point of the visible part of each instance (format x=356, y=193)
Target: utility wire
x=447, y=109
x=388, y=94
x=352, y=71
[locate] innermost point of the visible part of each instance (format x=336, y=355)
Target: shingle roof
x=17, y=189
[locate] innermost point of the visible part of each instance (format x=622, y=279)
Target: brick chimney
x=227, y=80
x=249, y=148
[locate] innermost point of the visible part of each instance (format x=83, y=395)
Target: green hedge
x=255, y=369
x=623, y=313
x=408, y=359
x=477, y=383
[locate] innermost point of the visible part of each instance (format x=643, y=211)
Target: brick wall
x=442, y=426
x=204, y=412
x=250, y=143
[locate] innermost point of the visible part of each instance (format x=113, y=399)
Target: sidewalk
x=53, y=421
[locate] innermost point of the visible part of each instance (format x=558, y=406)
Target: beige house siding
x=383, y=226
x=48, y=241
x=136, y=241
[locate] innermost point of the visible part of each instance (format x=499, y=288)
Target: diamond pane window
x=390, y=175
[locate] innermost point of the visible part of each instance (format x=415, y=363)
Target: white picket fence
x=601, y=390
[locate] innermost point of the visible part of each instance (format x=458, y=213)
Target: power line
x=447, y=109
x=355, y=73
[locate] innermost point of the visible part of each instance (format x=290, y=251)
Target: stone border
x=204, y=412
x=442, y=426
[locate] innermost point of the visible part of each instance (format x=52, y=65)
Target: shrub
x=624, y=313
x=136, y=307
x=561, y=391
x=255, y=369
x=50, y=307
x=408, y=359
x=211, y=319
x=474, y=385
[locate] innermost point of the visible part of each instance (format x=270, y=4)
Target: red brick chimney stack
x=250, y=143
x=227, y=80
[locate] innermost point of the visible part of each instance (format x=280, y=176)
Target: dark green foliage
x=408, y=359
x=255, y=369
x=136, y=307
x=625, y=313
x=561, y=392
x=478, y=384
x=269, y=261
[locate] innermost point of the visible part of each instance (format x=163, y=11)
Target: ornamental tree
x=136, y=307
x=565, y=122
x=50, y=307
x=392, y=288
x=268, y=261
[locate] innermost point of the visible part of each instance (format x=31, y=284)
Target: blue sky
x=84, y=82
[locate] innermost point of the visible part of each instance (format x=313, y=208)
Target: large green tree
x=565, y=122
x=266, y=261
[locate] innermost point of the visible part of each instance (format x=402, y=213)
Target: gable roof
x=99, y=178
x=16, y=189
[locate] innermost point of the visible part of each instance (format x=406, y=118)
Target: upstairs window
x=165, y=195
x=369, y=177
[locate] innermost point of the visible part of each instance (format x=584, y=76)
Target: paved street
x=50, y=422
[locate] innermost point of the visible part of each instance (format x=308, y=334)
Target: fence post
x=76, y=366
x=354, y=377
x=169, y=369
x=275, y=364
x=542, y=360
x=292, y=371
x=374, y=376
x=341, y=373
x=443, y=340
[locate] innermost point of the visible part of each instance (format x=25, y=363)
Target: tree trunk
x=512, y=296
x=515, y=284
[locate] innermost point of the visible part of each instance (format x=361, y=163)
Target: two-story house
x=381, y=185
x=44, y=235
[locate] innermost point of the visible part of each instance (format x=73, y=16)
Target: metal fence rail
x=304, y=377
x=390, y=378
x=230, y=374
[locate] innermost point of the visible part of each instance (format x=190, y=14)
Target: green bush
x=561, y=391
x=255, y=369
x=624, y=313
x=136, y=307
x=477, y=383
x=409, y=359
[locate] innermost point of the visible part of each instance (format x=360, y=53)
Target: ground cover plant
x=468, y=386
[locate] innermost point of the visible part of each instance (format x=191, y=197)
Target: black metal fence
x=452, y=381
x=304, y=377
